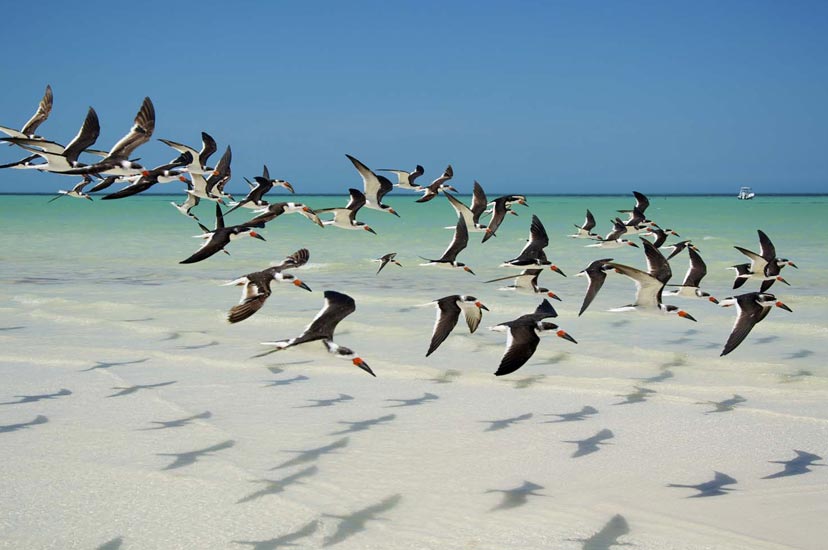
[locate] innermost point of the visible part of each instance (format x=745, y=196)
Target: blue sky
x=526, y=96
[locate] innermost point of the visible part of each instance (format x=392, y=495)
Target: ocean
x=434, y=452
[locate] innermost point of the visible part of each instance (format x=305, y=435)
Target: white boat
x=746, y=193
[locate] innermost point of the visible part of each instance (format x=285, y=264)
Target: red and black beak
x=256, y=236
x=783, y=306
x=557, y=270
x=565, y=335
x=683, y=314
x=300, y=284
x=364, y=366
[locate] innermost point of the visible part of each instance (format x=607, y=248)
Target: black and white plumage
x=458, y=242
x=76, y=191
x=221, y=174
x=533, y=253
x=501, y=207
x=257, y=285
x=431, y=190
x=273, y=211
x=676, y=248
x=596, y=273
x=470, y=214
x=345, y=218
x=149, y=178
x=337, y=307
x=376, y=187
x=276, y=182
x=614, y=239
x=386, y=259
x=526, y=282
x=198, y=159
x=44, y=109
x=585, y=229
x=217, y=239
x=649, y=284
x=255, y=198
x=448, y=313
x=764, y=266
x=661, y=236
x=523, y=337
x=751, y=308
x=190, y=202
x=405, y=180
x=689, y=288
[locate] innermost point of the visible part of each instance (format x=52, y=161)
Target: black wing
x=589, y=222
x=479, y=202
x=657, y=265
x=697, y=271
x=448, y=314
x=597, y=275
x=42, y=113
x=337, y=307
x=750, y=313
x=521, y=344
x=86, y=137
x=208, y=147
x=242, y=311
x=767, y=250
x=458, y=243
x=498, y=214
x=139, y=134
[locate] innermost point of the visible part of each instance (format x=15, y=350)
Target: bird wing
x=448, y=313
x=596, y=275
x=42, y=113
x=375, y=186
x=246, y=308
x=589, y=222
x=337, y=307
x=538, y=240
x=647, y=288
x=463, y=211
x=458, y=242
x=356, y=201
x=86, y=136
x=657, y=265
x=766, y=246
x=749, y=312
x=498, y=213
x=217, y=241
x=297, y=259
x=139, y=134
x=479, y=202
x=521, y=343
x=696, y=271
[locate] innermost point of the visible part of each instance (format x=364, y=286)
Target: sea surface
x=93, y=298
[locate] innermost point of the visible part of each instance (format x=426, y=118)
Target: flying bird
x=385, y=259
x=533, y=254
x=345, y=218
x=596, y=273
x=585, y=229
x=448, y=313
x=458, y=243
x=526, y=282
x=376, y=187
x=405, y=180
x=431, y=190
x=220, y=237
x=273, y=211
x=470, y=214
x=44, y=109
x=751, y=308
x=689, y=288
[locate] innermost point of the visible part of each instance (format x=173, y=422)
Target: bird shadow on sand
x=801, y=354
x=355, y=522
x=18, y=327
x=723, y=406
x=141, y=320
x=572, y=416
x=191, y=457
x=797, y=376
x=278, y=368
x=283, y=541
x=525, y=382
x=285, y=382
x=446, y=377
x=766, y=339
x=591, y=444
x=608, y=536
x=310, y=455
x=342, y=398
x=114, y=544
x=677, y=361
x=551, y=360
x=665, y=374
x=276, y=486
x=163, y=425
x=425, y=398
x=200, y=346
x=132, y=389
x=35, y=398
x=176, y=334
x=620, y=323
x=110, y=364
x=519, y=496
x=362, y=425
x=638, y=396
x=495, y=425
x=40, y=419
x=796, y=466
x=715, y=487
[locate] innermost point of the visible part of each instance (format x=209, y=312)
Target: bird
x=532, y=254
x=765, y=265
x=676, y=248
x=523, y=337
x=256, y=285
x=458, y=243
x=273, y=211
x=198, y=159
x=337, y=307
x=345, y=218
x=405, y=180
x=44, y=109
x=500, y=207
x=276, y=182
x=613, y=239
x=689, y=288
x=661, y=235
x=526, y=282
x=117, y=161
x=385, y=259
x=751, y=308
x=189, y=203
x=649, y=284
x=596, y=273
x=214, y=185
x=431, y=190
x=471, y=214
x=76, y=191
x=148, y=178
x=220, y=237
x=585, y=229
x=255, y=198
x=376, y=187
x=448, y=313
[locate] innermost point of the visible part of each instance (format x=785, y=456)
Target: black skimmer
x=649, y=284
x=77, y=190
x=384, y=260
x=376, y=187
x=526, y=282
x=220, y=176
x=501, y=207
x=198, y=159
x=148, y=178
x=276, y=182
x=337, y=307
x=117, y=161
x=676, y=248
x=596, y=274
x=256, y=285
x=59, y=159
x=345, y=218
x=189, y=203
x=532, y=254
x=220, y=237
x=523, y=337
x=471, y=214
x=458, y=243
x=764, y=266
x=44, y=108
x=405, y=180
x=614, y=239
x=661, y=236
x=255, y=198
x=273, y=211
x=585, y=229
x=431, y=190
x=751, y=309
x=689, y=288
x=448, y=313
x=636, y=220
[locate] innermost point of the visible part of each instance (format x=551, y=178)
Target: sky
x=522, y=96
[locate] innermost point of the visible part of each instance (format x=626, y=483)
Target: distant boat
x=746, y=193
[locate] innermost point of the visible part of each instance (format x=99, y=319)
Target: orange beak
x=685, y=315
x=563, y=334
x=712, y=299
x=481, y=306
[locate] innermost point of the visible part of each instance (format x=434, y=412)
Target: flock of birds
x=206, y=183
